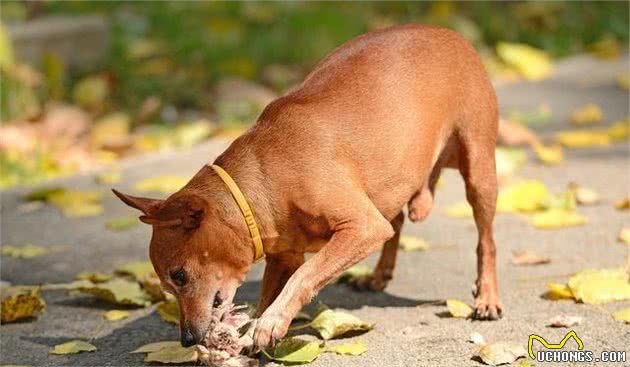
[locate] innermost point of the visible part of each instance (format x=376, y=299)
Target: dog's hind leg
x=384, y=269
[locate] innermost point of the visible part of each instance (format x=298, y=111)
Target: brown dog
x=328, y=168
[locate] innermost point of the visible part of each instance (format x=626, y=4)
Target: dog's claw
x=487, y=310
x=268, y=330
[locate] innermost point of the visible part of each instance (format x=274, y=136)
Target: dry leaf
x=557, y=218
x=624, y=236
x=597, y=286
x=296, y=351
x=584, y=195
x=78, y=203
x=528, y=258
x=167, y=184
x=20, y=304
x=498, y=353
x=173, y=354
x=583, y=139
x=169, y=311
x=458, y=309
x=122, y=223
x=118, y=291
x=154, y=347
x=22, y=252
x=111, y=132
x=73, y=347
x=533, y=64
x=619, y=130
x=114, y=315
x=622, y=315
x=42, y=194
x=354, y=272
x=556, y=291
x=623, y=204
x=412, y=243
x=623, y=81
x=94, y=277
x=138, y=270
x=353, y=349
x=526, y=196
x=477, y=338
x=564, y=321
x=331, y=324
x=587, y=115
x=549, y=154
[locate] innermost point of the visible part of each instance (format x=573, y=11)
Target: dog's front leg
x=278, y=270
x=355, y=236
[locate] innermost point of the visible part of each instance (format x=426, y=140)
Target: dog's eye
x=217, y=300
x=179, y=277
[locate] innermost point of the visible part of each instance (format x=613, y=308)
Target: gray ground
x=420, y=278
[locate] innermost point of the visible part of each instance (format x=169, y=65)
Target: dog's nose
x=187, y=338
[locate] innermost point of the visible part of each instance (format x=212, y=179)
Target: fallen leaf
x=169, y=311
x=118, y=291
x=597, y=286
x=623, y=204
x=114, y=315
x=154, y=347
x=587, y=115
x=78, y=203
x=624, y=236
x=296, y=351
x=122, y=223
x=564, y=321
x=533, y=64
x=526, y=196
x=20, y=304
x=94, y=277
x=331, y=324
x=498, y=353
x=458, y=309
x=606, y=48
x=508, y=160
x=477, y=338
x=153, y=286
x=549, y=154
x=353, y=349
x=108, y=178
x=173, y=354
x=528, y=258
x=73, y=347
x=166, y=184
x=111, y=132
x=540, y=116
x=412, y=243
x=557, y=218
x=42, y=194
x=556, y=291
x=623, y=81
x=583, y=139
x=622, y=315
x=188, y=134
x=354, y=272
x=22, y=252
x=91, y=92
x=619, y=130
x=459, y=210
x=138, y=270
x=584, y=195
x=561, y=201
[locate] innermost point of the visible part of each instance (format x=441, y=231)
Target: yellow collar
x=245, y=209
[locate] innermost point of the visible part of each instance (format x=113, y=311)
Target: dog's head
x=197, y=254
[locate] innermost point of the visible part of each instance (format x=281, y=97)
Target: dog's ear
x=145, y=205
x=186, y=211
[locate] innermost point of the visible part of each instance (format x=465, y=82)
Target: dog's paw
x=269, y=328
x=487, y=308
x=370, y=282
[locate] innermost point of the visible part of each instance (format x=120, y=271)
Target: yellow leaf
x=412, y=243
x=622, y=315
x=73, y=347
x=460, y=210
x=619, y=130
x=169, y=311
x=154, y=347
x=458, y=309
x=118, y=291
x=561, y=201
x=296, y=351
x=623, y=81
x=166, y=184
x=624, y=236
x=623, y=204
x=139, y=270
x=526, y=196
x=354, y=272
x=94, y=277
x=556, y=291
x=331, y=324
x=78, y=203
x=583, y=139
x=173, y=354
x=22, y=252
x=114, y=315
x=353, y=349
x=528, y=258
x=108, y=178
x=21, y=304
x=549, y=154
x=596, y=286
x=501, y=353
x=531, y=63
x=91, y=92
x=111, y=131
x=557, y=218
x=587, y=115
x=606, y=48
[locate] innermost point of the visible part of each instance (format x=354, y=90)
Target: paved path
x=420, y=278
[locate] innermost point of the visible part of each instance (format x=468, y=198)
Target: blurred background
x=85, y=84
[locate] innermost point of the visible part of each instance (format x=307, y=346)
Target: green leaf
x=118, y=291
x=23, y=252
x=597, y=286
x=139, y=269
x=331, y=324
x=73, y=347
x=353, y=349
x=296, y=351
x=122, y=223
x=458, y=309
